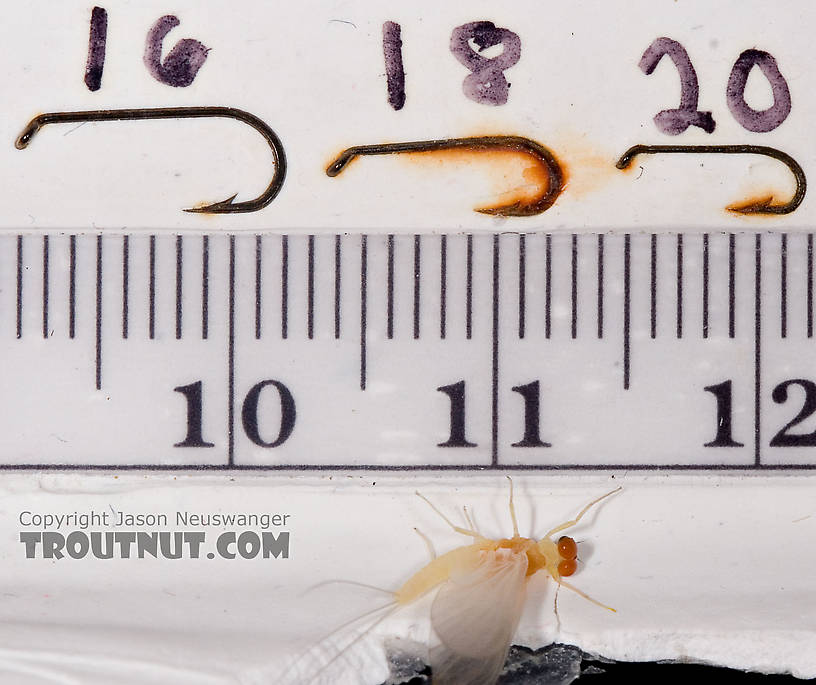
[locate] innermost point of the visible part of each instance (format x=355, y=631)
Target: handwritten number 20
x=675, y=121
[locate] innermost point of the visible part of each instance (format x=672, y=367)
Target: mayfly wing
x=475, y=616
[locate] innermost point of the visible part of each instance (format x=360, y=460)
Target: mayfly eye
x=567, y=547
x=567, y=567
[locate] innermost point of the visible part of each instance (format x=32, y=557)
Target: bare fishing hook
x=760, y=206
x=224, y=206
x=544, y=199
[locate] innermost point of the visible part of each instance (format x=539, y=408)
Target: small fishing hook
x=224, y=206
x=543, y=157
x=761, y=206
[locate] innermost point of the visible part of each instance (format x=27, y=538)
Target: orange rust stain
x=518, y=176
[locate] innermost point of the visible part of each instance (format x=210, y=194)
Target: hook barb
x=765, y=205
x=227, y=206
x=543, y=200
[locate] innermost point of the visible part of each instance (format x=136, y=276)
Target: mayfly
x=481, y=594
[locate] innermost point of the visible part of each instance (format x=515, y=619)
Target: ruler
x=453, y=351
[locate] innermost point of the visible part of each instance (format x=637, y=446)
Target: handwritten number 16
x=675, y=121
x=178, y=69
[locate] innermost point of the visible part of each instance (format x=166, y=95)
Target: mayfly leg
x=513, y=510
x=572, y=522
x=428, y=543
x=464, y=531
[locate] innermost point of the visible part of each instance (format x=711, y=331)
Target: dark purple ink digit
x=96, y=48
x=181, y=64
x=674, y=121
x=749, y=118
x=394, y=72
x=487, y=84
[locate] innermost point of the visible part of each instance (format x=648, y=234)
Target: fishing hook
x=761, y=206
x=544, y=199
x=224, y=206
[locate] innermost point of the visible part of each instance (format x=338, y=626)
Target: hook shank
x=764, y=206
x=544, y=157
x=224, y=206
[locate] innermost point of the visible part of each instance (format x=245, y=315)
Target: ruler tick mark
x=626, y=309
x=389, y=305
x=72, y=287
x=757, y=346
x=19, y=286
x=417, y=283
x=152, y=290
x=443, y=285
x=258, y=287
x=469, y=289
x=179, y=284
x=679, y=285
x=522, y=284
x=810, y=285
x=653, y=284
x=600, y=285
x=310, y=287
x=45, y=286
x=99, y=312
x=337, y=283
x=495, y=355
x=205, y=287
x=363, y=307
x=547, y=284
x=125, y=285
x=574, y=294
x=231, y=357
x=783, y=286
x=705, y=285
x=732, y=278
x=284, y=286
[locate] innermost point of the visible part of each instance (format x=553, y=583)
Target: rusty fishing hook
x=544, y=200
x=763, y=206
x=224, y=206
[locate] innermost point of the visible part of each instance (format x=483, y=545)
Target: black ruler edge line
x=231, y=357
x=45, y=269
x=19, y=286
x=205, y=287
x=179, y=284
x=705, y=285
x=152, y=289
x=653, y=286
x=757, y=347
x=310, y=287
x=495, y=355
x=443, y=286
x=338, y=255
x=417, y=283
x=99, y=311
x=809, y=312
x=284, y=286
x=627, y=306
x=701, y=468
x=522, y=285
x=363, y=308
x=258, y=284
x=72, y=286
x=783, y=286
x=125, y=285
x=600, y=285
